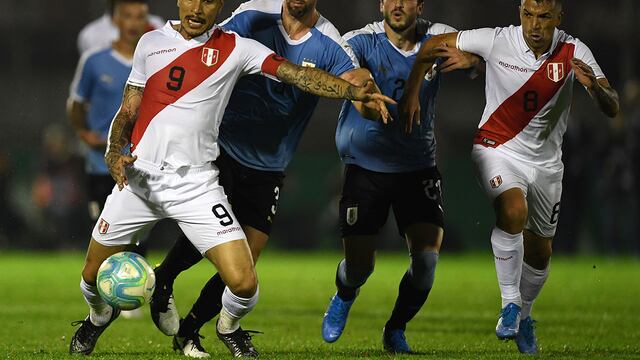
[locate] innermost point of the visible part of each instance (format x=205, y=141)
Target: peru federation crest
x=555, y=71
x=210, y=56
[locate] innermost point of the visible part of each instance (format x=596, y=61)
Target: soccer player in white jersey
x=180, y=83
x=530, y=71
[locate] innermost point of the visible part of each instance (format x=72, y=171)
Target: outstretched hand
x=378, y=105
x=116, y=163
x=455, y=59
x=584, y=73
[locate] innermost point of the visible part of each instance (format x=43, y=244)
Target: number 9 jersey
x=528, y=99
x=187, y=87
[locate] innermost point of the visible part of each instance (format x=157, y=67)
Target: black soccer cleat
x=84, y=340
x=239, y=343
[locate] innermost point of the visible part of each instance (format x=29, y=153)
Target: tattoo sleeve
x=122, y=125
x=315, y=81
x=606, y=98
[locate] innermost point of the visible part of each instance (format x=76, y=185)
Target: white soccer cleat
x=190, y=347
x=164, y=314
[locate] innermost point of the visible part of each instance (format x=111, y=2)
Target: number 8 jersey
x=528, y=99
x=187, y=87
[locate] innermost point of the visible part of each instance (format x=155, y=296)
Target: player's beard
x=398, y=27
x=298, y=12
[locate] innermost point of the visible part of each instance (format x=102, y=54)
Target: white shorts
x=542, y=186
x=191, y=196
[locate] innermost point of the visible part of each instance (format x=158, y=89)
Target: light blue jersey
x=265, y=119
x=372, y=144
x=99, y=81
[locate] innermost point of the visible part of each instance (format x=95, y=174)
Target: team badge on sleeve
x=103, y=226
x=555, y=71
x=209, y=56
x=496, y=182
x=352, y=215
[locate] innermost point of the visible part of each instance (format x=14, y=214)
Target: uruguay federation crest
x=555, y=71
x=210, y=56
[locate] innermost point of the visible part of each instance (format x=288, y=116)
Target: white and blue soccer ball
x=126, y=280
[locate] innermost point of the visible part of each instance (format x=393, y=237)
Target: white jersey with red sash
x=187, y=87
x=528, y=99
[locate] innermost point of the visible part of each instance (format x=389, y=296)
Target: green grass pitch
x=588, y=310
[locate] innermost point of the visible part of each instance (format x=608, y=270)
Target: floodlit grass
x=588, y=310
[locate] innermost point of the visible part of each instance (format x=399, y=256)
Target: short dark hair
x=111, y=4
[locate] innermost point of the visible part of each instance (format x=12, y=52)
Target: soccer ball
x=126, y=281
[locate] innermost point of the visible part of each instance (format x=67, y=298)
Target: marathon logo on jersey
x=103, y=226
x=352, y=215
x=210, y=56
x=308, y=63
x=555, y=71
x=496, y=182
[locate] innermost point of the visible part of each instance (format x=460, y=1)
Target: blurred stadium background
x=41, y=166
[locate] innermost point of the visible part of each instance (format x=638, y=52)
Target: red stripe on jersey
x=181, y=76
x=515, y=113
x=271, y=64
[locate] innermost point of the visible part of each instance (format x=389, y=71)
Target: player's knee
x=358, y=275
x=245, y=285
x=512, y=218
x=89, y=273
x=422, y=269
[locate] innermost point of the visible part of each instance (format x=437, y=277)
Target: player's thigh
x=255, y=197
x=206, y=217
x=365, y=202
x=126, y=217
x=544, y=202
x=497, y=173
x=418, y=208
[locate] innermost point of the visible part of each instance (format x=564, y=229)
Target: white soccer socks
x=508, y=251
x=233, y=309
x=99, y=311
x=531, y=284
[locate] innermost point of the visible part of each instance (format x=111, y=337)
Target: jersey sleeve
x=83, y=80
x=340, y=57
x=360, y=45
x=439, y=29
x=258, y=59
x=479, y=41
x=583, y=53
x=247, y=16
x=138, y=75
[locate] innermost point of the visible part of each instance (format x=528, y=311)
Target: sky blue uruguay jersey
x=99, y=81
x=372, y=144
x=265, y=119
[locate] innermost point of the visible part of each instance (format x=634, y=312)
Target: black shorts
x=253, y=194
x=98, y=188
x=416, y=197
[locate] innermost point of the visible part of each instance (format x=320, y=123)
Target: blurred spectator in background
x=96, y=94
x=58, y=193
x=101, y=32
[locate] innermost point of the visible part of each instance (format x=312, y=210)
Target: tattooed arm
x=321, y=83
x=120, y=134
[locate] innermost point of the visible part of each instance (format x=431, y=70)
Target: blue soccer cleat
x=509, y=322
x=526, y=339
x=395, y=342
x=335, y=318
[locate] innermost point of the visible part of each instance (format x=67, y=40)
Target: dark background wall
x=41, y=176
